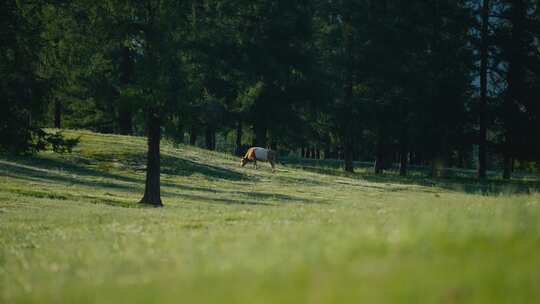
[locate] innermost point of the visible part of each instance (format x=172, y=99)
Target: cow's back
x=261, y=153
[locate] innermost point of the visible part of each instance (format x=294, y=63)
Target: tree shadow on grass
x=281, y=197
x=72, y=164
x=69, y=174
x=75, y=170
x=255, y=195
x=58, y=169
x=218, y=200
x=81, y=171
x=460, y=184
x=301, y=180
x=454, y=183
x=173, y=165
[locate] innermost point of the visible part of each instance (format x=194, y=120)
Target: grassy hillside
x=71, y=232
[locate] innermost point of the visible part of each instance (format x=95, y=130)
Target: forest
x=401, y=141
x=442, y=83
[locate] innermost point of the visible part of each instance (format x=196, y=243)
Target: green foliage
x=353, y=76
x=23, y=90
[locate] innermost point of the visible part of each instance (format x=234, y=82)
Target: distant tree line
x=441, y=83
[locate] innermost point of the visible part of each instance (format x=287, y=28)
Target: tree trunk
x=403, y=152
x=326, y=152
x=348, y=155
x=514, y=80
x=348, y=144
x=379, y=157
x=444, y=159
x=239, y=138
x=193, y=135
x=507, y=171
x=57, y=114
x=420, y=159
x=181, y=134
x=210, y=138
x=403, y=168
x=303, y=152
x=461, y=158
x=513, y=165
x=437, y=167
x=317, y=153
x=482, y=149
x=152, y=195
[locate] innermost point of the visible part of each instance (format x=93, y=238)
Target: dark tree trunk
x=513, y=164
x=418, y=160
x=181, y=134
x=317, y=153
x=379, y=157
x=461, y=158
x=507, y=171
x=356, y=153
x=403, y=164
x=403, y=152
x=193, y=135
x=239, y=138
x=152, y=195
x=421, y=159
x=327, y=152
x=348, y=155
x=348, y=142
x=482, y=149
x=210, y=138
x=125, y=125
x=514, y=81
x=440, y=155
x=57, y=114
x=303, y=152
x=436, y=167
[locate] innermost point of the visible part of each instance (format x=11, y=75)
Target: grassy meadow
x=71, y=231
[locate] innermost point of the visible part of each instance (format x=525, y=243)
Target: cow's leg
x=255, y=163
x=271, y=161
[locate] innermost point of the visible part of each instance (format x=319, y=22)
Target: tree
x=484, y=44
x=158, y=84
x=25, y=85
x=514, y=80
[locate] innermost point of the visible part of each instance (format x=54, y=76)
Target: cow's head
x=244, y=161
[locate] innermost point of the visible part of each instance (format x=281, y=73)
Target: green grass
x=71, y=232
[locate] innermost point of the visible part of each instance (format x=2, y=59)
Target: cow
x=254, y=154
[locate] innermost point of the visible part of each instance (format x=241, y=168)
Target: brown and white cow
x=257, y=153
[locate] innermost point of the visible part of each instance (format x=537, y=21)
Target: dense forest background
x=439, y=83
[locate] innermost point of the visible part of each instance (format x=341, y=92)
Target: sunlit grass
x=71, y=232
